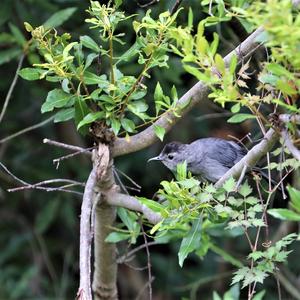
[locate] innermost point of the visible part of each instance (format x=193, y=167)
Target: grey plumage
x=207, y=158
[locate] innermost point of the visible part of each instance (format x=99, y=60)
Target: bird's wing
x=224, y=152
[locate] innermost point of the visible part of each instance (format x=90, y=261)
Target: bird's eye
x=170, y=156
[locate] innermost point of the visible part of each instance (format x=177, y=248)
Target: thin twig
x=147, y=4
x=27, y=129
x=127, y=177
x=11, y=88
x=143, y=289
x=66, y=146
x=126, y=256
x=148, y=260
x=58, y=160
x=38, y=186
x=175, y=7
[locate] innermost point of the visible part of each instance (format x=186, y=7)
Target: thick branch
x=251, y=158
x=84, y=291
x=287, y=141
x=105, y=264
x=196, y=94
x=129, y=202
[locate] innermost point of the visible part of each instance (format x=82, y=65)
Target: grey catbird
x=207, y=158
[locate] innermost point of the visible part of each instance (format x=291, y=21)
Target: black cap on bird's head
x=169, y=155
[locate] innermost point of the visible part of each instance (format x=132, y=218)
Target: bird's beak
x=154, y=158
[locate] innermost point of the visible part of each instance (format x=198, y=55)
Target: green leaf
x=118, y=3
x=159, y=132
x=295, y=198
x=90, y=118
x=214, y=45
x=220, y=64
x=89, y=60
x=128, y=125
x=31, y=73
x=191, y=242
x=91, y=78
x=195, y=72
x=88, y=42
x=128, y=218
x=226, y=256
x=245, y=189
x=279, y=70
x=81, y=110
x=56, y=98
x=233, y=64
x=238, y=118
x=64, y=115
x=115, y=237
x=190, y=18
x=285, y=87
x=201, y=44
x=132, y=51
x=229, y=185
x=17, y=34
x=115, y=126
x=236, y=108
x=153, y=205
x=158, y=93
x=284, y=214
x=181, y=171
x=59, y=17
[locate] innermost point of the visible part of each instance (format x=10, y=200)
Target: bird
x=206, y=158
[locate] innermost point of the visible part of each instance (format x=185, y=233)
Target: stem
x=111, y=57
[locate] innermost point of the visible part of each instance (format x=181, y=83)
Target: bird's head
x=171, y=155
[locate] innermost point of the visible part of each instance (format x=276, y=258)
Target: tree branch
x=251, y=158
x=196, y=94
x=130, y=202
x=11, y=88
x=27, y=129
x=66, y=146
x=84, y=291
x=287, y=141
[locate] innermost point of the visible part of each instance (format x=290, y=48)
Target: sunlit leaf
x=238, y=118
x=159, y=132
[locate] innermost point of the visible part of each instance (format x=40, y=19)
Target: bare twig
x=143, y=289
x=27, y=129
x=11, y=88
x=129, y=178
x=148, y=262
x=40, y=185
x=58, y=160
x=128, y=255
x=293, y=291
x=175, y=7
x=147, y=4
x=66, y=146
